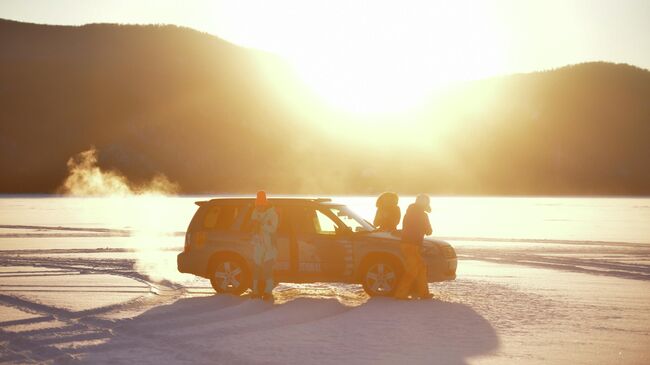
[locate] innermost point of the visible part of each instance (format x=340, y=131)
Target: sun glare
x=373, y=57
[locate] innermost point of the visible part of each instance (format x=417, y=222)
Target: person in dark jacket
x=388, y=212
x=415, y=226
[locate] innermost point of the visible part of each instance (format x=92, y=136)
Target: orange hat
x=261, y=201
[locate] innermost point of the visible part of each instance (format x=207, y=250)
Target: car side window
x=303, y=219
x=210, y=218
x=220, y=218
x=324, y=224
x=283, y=222
x=310, y=220
x=246, y=223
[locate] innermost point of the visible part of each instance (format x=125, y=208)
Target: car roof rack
x=313, y=200
x=321, y=200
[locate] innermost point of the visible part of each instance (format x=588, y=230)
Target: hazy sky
x=340, y=45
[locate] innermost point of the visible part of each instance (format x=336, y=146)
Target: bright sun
x=372, y=57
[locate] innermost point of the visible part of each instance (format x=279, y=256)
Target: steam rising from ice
x=141, y=207
x=85, y=178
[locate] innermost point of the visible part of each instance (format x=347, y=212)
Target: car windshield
x=351, y=219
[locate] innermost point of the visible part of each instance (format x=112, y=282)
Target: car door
x=322, y=251
x=283, y=267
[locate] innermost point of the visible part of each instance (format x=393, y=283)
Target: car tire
x=230, y=275
x=381, y=276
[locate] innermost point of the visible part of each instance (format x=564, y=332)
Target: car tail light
x=188, y=240
x=195, y=240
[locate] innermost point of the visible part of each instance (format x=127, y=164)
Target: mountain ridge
x=206, y=113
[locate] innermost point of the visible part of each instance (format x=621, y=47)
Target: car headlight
x=449, y=252
x=430, y=251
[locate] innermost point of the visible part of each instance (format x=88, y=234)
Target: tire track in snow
x=587, y=266
x=42, y=345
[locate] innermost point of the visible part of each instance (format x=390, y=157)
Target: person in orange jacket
x=414, y=227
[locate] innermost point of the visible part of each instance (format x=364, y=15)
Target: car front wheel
x=230, y=275
x=381, y=278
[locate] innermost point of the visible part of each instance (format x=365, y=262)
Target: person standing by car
x=264, y=222
x=388, y=212
x=414, y=227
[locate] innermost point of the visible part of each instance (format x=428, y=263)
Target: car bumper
x=189, y=263
x=442, y=271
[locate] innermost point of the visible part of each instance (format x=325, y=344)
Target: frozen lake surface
x=540, y=280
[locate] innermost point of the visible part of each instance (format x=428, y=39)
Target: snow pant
x=415, y=273
x=263, y=274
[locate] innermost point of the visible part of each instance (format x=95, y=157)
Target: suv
x=317, y=241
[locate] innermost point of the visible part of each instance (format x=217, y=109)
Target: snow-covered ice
x=81, y=283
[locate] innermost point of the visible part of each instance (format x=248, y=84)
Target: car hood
x=396, y=237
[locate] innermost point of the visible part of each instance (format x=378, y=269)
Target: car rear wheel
x=381, y=278
x=230, y=275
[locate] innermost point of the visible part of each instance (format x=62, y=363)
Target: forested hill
x=215, y=117
x=149, y=98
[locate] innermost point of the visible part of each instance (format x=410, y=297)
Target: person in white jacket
x=264, y=222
